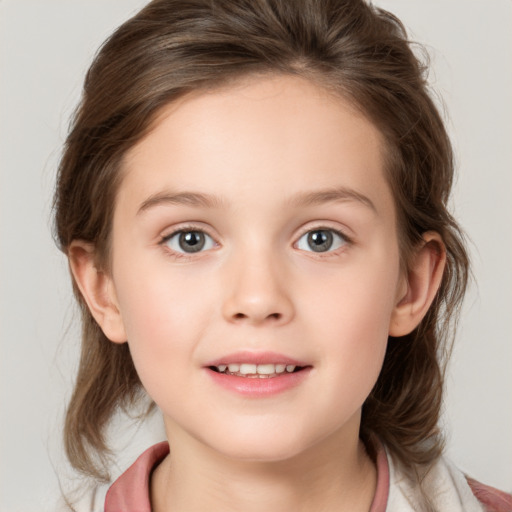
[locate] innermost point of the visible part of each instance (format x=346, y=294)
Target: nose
x=257, y=292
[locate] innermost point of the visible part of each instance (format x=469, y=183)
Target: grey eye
x=190, y=241
x=321, y=240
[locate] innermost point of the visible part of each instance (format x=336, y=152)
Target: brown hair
x=172, y=47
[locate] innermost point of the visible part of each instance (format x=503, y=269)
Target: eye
x=321, y=240
x=189, y=241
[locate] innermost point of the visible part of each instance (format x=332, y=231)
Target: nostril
x=273, y=316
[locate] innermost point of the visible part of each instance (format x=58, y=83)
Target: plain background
x=45, y=48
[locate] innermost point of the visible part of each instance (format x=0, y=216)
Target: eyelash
x=347, y=241
x=183, y=229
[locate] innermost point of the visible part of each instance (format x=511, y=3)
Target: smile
x=255, y=371
x=258, y=374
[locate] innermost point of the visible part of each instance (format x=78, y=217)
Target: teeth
x=266, y=369
x=246, y=369
x=256, y=369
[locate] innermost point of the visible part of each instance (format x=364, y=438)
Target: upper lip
x=256, y=358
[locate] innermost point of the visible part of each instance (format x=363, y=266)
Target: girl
x=252, y=199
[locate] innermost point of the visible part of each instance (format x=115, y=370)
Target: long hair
x=173, y=47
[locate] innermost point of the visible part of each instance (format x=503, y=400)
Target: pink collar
x=130, y=492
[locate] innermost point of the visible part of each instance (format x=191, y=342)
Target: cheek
x=358, y=335
x=352, y=316
x=156, y=302
x=359, y=296
x=163, y=323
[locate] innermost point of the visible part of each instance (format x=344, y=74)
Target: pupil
x=320, y=241
x=191, y=241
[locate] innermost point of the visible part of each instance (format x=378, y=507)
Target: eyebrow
x=180, y=198
x=337, y=194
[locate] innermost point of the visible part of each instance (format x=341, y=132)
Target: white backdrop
x=45, y=48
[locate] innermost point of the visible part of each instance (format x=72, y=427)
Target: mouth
x=258, y=374
x=256, y=371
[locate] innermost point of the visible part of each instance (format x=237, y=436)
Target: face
x=255, y=267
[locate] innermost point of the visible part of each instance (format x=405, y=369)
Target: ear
x=421, y=284
x=97, y=289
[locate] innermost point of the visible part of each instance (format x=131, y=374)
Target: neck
x=329, y=477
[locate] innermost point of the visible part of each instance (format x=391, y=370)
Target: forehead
x=237, y=140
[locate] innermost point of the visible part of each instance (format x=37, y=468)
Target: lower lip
x=256, y=387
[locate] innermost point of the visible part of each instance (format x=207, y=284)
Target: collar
x=397, y=489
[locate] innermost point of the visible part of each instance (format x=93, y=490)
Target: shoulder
x=493, y=500
x=441, y=486
x=130, y=492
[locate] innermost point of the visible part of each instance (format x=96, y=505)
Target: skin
x=276, y=158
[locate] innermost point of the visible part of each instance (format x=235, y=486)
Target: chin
x=263, y=454
x=250, y=445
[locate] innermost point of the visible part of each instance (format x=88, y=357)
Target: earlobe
x=97, y=290
x=422, y=283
